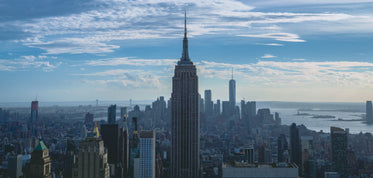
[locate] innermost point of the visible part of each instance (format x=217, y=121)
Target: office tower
x=277, y=118
x=40, y=163
x=88, y=119
x=339, y=150
x=123, y=111
x=309, y=168
x=134, y=154
x=249, y=154
x=111, y=114
x=34, y=111
x=295, y=146
x=264, y=154
x=226, y=108
x=208, y=103
x=232, y=93
x=83, y=132
x=147, y=154
x=92, y=158
x=251, y=109
x=124, y=147
x=110, y=136
x=248, y=110
x=282, y=149
x=201, y=105
x=15, y=166
x=369, y=112
x=159, y=112
x=217, y=107
x=185, y=118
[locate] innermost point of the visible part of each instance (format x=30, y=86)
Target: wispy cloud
x=266, y=56
x=273, y=44
x=288, y=37
x=25, y=63
x=295, y=74
x=132, y=62
x=94, y=27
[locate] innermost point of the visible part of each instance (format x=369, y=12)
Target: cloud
x=295, y=73
x=25, y=63
x=288, y=37
x=72, y=46
x=123, y=79
x=64, y=28
x=273, y=44
x=266, y=56
x=132, y=62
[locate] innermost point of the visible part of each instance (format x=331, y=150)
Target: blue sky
x=281, y=50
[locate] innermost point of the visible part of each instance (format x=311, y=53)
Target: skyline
x=120, y=50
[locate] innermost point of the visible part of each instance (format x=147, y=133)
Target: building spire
x=232, y=73
x=185, y=56
x=185, y=26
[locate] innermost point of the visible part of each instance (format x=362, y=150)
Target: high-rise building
x=93, y=157
x=124, y=147
x=15, y=166
x=309, y=168
x=282, y=149
x=111, y=114
x=369, y=112
x=185, y=118
x=295, y=146
x=232, y=93
x=110, y=136
x=226, y=108
x=34, y=111
x=339, y=139
x=123, y=111
x=217, y=107
x=40, y=163
x=249, y=154
x=208, y=103
x=147, y=154
x=134, y=153
x=201, y=105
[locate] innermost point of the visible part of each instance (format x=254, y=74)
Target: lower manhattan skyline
x=316, y=51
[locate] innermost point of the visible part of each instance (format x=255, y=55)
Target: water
x=346, y=115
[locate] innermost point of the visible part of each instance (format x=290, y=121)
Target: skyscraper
x=232, y=93
x=40, y=163
x=185, y=117
x=339, y=150
x=369, y=112
x=208, y=103
x=282, y=149
x=92, y=157
x=295, y=146
x=34, y=111
x=111, y=114
x=147, y=154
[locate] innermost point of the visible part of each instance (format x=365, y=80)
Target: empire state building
x=185, y=117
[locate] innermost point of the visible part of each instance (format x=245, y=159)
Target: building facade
x=339, y=150
x=185, y=122
x=92, y=158
x=147, y=154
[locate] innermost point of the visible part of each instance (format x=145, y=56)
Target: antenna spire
x=185, y=25
x=232, y=73
x=185, y=55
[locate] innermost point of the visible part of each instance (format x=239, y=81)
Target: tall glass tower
x=185, y=117
x=232, y=93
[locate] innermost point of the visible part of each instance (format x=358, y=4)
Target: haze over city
x=120, y=50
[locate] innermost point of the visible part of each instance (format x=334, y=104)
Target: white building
x=147, y=154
